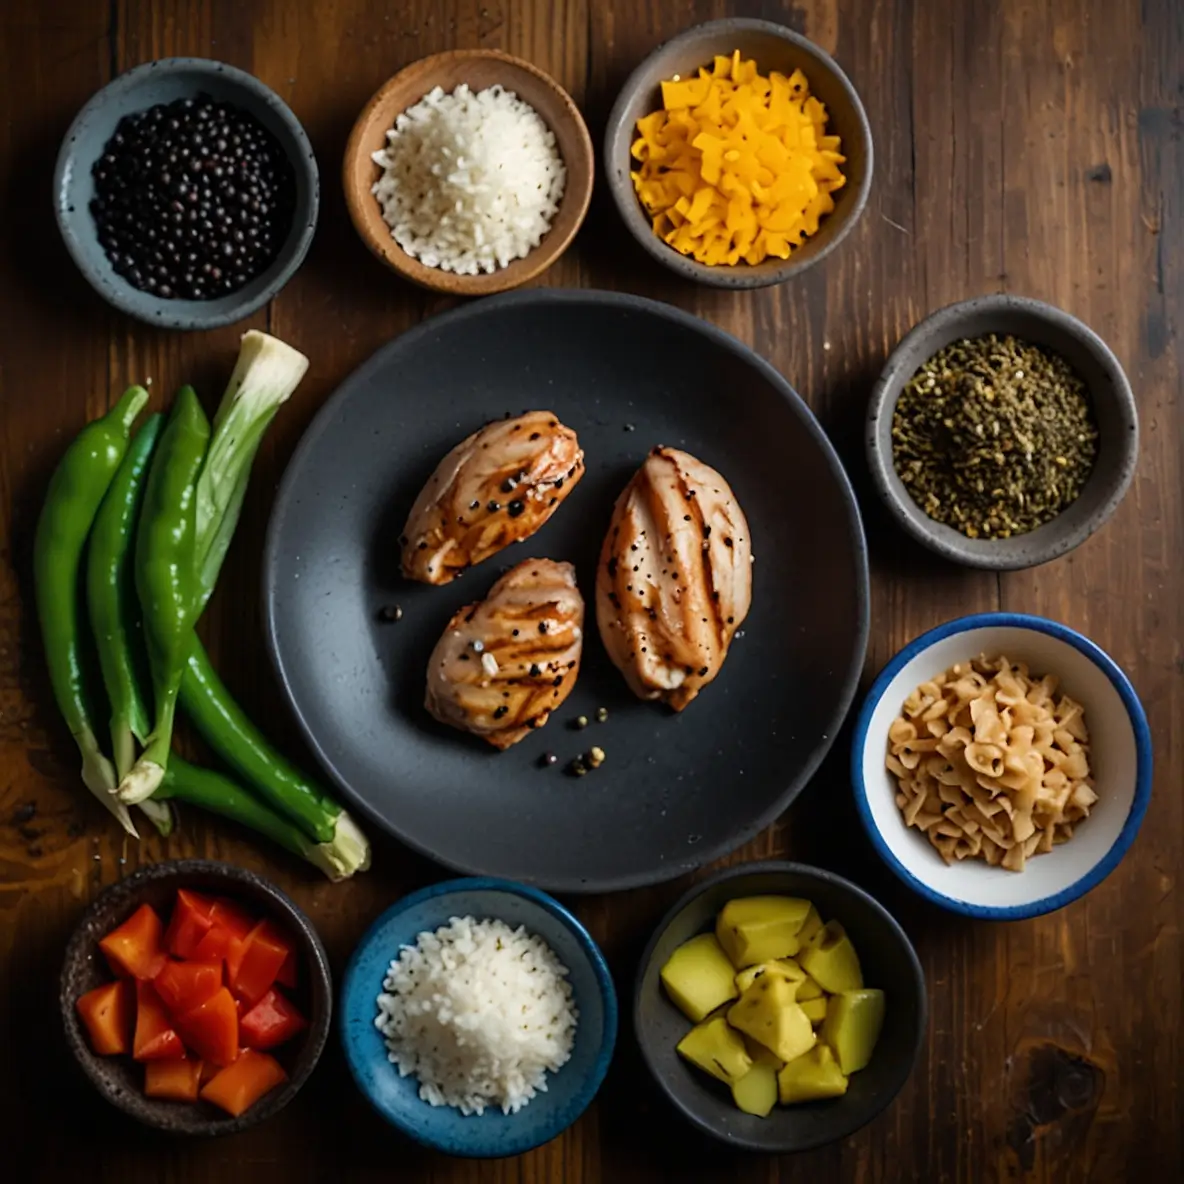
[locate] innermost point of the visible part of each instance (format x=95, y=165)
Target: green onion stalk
x=266, y=374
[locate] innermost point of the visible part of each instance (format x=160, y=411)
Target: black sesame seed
x=515, y=508
x=493, y=507
x=534, y=670
x=390, y=612
x=548, y=758
x=498, y=712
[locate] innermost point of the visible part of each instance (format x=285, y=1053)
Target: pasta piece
x=990, y=764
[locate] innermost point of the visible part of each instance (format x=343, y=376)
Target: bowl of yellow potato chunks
x=779, y=1007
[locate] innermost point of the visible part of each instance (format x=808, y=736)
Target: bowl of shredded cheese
x=739, y=154
x=469, y=172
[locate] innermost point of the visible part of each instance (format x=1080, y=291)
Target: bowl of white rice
x=469, y=172
x=478, y=1017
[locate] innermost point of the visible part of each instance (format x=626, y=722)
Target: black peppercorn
x=163, y=191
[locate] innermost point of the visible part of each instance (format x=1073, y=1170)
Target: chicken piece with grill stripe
x=496, y=487
x=505, y=663
x=675, y=577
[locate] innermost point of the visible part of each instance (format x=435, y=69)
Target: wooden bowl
x=119, y=1079
x=479, y=68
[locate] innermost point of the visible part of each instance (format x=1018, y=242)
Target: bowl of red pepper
x=196, y=997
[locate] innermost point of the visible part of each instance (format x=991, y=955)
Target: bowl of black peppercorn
x=186, y=192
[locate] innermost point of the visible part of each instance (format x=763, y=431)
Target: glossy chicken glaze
x=505, y=663
x=675, y=577
x=494, y=488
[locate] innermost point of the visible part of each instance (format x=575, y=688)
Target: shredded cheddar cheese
x=736, y=166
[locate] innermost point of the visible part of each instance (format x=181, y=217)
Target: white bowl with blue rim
x=1120, y=760
x=568, y=1092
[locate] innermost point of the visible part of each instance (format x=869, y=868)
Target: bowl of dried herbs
x=1002, y=432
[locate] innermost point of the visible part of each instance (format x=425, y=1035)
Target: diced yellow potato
x=852, y=1027
x=810, y=926
x=756, y=1092
x=808, y=989
x=717, y=1049
x=786, y=967
x=760, y=1054
x=760, y=928
x=815, y=1009
x=811, y=1077
x=767, y=1012
x=831, y=960
x=698, y=977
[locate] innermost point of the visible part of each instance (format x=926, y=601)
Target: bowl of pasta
x=1002, y=765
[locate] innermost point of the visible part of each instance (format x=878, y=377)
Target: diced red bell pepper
x=270, y=1022
x=108, y=1013
x=266, y=951
x=210, y=1030
x=289, y=975
x=230, y=925
x=193, y=914
x=240, y=1086
x=179, y=1080
x=156, y=1039
x=136, y=947
x=182, y=986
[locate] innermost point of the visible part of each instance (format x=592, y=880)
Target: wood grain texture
x=1032, y=146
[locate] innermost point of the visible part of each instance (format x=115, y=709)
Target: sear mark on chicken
x=494, y=488
x=504, y=664
x=675, y=577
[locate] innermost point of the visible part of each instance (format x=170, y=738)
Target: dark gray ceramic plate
x=676, y=790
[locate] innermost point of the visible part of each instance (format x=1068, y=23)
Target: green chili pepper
x=224, y=726
x=75, y=493
x=111, y=596
x=166, y=580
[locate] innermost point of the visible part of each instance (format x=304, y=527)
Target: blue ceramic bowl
x=162, y=82
x=397, y=1098
x=1120, y=760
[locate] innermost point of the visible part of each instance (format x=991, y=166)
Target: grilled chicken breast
x=675, y=577
x=495, y=488
x=505, y=663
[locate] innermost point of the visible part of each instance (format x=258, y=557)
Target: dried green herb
x=994, y=436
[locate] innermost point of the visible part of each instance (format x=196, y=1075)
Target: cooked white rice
x=479, y=1012
x=470, y=181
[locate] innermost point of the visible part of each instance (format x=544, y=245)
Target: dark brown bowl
x=478, y=68
x=119, y=1078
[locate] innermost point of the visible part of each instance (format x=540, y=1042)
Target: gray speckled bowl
x=1113, y=406
x=162, y=82
x=888, y=960
x=773, y=47
x=119, y=1079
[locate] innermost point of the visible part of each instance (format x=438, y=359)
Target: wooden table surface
x=1028, y=146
